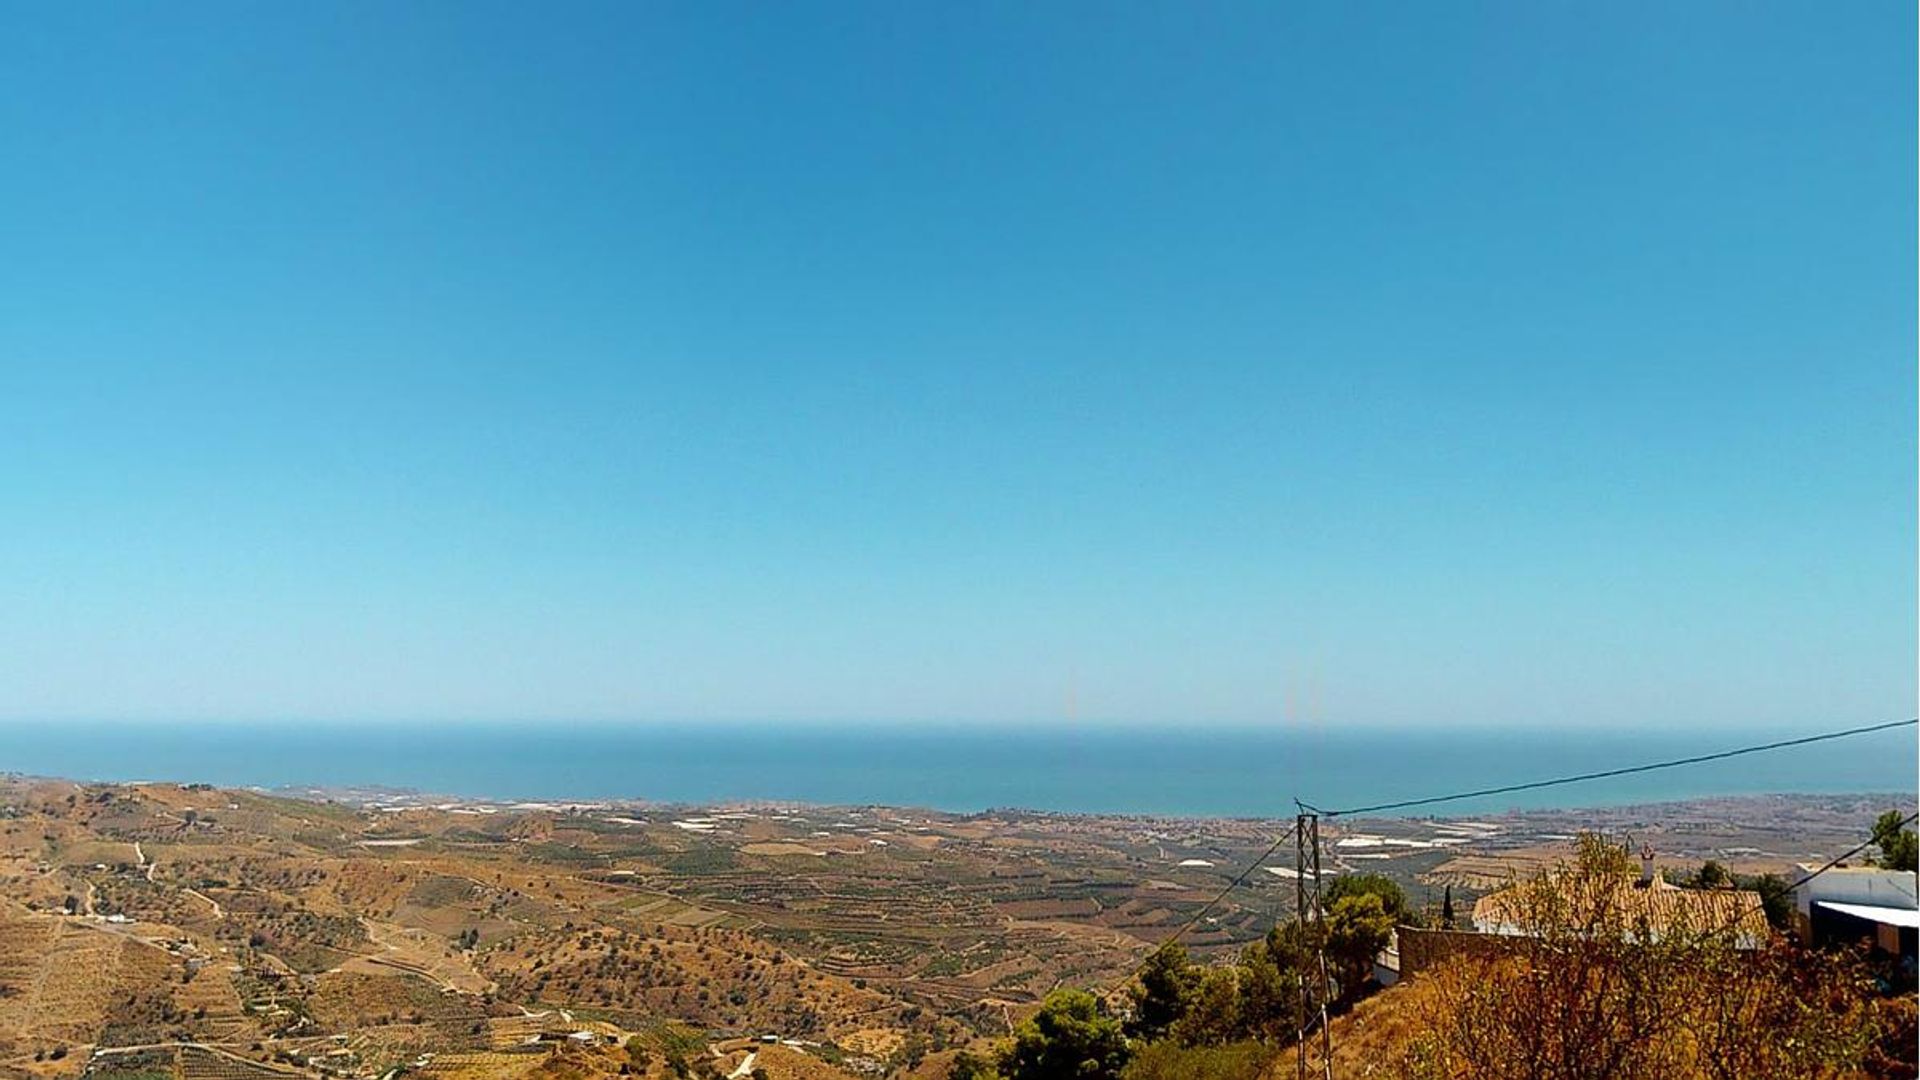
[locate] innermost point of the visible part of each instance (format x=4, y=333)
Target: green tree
x=1269, y=988
x=1712, y=875
x=1776, y=896
x=1290, y=944
x=1070, y=1038
x=1446, y=909
x=1165, y=992
x=1214, y=1016
x=1392, y=898
x=971, y=1066
x=1358, y=927
x=1899, y=849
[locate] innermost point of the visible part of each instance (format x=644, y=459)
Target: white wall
x=1881, y=888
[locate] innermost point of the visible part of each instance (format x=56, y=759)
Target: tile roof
x=1660, y=905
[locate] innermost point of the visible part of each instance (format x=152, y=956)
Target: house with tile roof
x=1648, y=908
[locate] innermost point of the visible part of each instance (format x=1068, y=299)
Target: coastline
x=1211, y=774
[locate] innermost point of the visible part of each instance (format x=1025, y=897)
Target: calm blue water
x=1224, y=773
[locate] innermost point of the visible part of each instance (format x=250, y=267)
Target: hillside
x=166, y=929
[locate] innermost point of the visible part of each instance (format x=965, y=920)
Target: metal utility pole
x=1300, y=920
x=1311, y=915
x=1320, y=947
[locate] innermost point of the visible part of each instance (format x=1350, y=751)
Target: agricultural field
x=168, y=932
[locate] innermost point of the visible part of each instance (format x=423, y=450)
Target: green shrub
x=1171, y=1061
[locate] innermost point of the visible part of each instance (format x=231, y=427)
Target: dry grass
x=786, y=1063
x=1369, y=1040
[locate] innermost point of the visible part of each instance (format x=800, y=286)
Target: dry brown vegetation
x=159, y=932
x=1599, y=983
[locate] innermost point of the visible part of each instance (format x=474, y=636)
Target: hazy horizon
x=1094, y=769
x=1731, y=733
x=1469, y=367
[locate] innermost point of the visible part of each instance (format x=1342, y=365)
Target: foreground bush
x=1168, y=1061
x=1071, y=1036
x=1593, y=986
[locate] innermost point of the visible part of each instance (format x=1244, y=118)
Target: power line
x=1241, y=878
x=1837, y=860
x=1606, y=773
x=1833, y=863
x=1211, y=904
x=1222, y=894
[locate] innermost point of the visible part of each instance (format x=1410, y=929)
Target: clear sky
x=1397, y=363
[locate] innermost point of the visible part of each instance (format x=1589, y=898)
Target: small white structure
x=1854, y=902
x=1386, y=965
x=1865, y=885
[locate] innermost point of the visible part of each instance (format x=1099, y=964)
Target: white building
x=1867, y=885
x=1853, y=903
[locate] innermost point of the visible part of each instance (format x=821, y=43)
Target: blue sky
x=1408, y=364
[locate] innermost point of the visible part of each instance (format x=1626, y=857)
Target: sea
x=1195, y=771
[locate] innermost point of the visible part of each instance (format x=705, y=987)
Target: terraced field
x=66, y=983
x=162, y=932
x=204, y=1063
